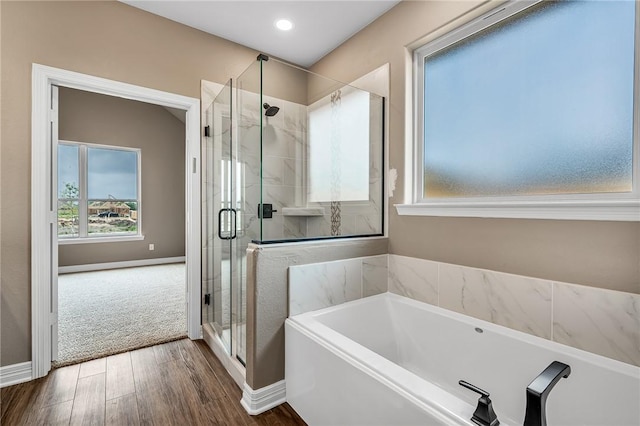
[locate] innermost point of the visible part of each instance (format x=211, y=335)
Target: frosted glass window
x=540, y=103
x=339, y=147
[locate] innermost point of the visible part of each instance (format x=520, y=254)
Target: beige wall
x=599, y=254
x=93, y=118
x=105, y=39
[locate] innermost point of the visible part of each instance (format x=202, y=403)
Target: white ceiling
x=319, y=25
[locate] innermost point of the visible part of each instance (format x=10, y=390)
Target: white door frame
x=44, y=238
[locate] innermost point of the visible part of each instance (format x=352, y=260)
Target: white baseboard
x=258, y=401
x=119, y=265
x=15, y=373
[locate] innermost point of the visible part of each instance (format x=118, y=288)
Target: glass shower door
x=218, y=219
x=231, y=174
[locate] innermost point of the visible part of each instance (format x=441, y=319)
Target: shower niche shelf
x=303, y=211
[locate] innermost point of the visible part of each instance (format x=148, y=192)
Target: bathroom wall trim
x=15, y=373
x=119, y=265
x=618, y=210
x=45, y=81
x=260, y=400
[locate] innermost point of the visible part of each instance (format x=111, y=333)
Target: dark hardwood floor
x=176, y=383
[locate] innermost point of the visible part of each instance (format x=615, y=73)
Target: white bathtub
x=390, y=360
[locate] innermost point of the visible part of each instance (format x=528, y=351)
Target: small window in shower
x=339, y=147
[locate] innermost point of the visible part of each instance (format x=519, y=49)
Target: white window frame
x=83, y=214
x=609, y=206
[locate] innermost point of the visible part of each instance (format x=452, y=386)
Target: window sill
x=621, y=210
x=90, y=240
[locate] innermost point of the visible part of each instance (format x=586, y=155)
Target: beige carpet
x=106, y=312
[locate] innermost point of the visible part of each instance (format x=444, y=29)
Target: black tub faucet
x=484, y=414
x=538, y=391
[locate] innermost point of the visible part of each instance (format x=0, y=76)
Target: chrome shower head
x=270, y=111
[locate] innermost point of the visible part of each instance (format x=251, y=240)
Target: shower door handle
x=233, y=232
x=234, y=212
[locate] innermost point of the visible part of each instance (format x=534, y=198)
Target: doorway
x=44, y=241
x=121, y=204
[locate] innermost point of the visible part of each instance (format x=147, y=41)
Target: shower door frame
x=226, y=352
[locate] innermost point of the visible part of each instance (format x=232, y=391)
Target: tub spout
x=538, y=391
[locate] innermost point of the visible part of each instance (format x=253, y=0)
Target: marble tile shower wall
x=284, y=150
x=360, y=217
x=284, y=165
x=604, y=322
x=600, y=321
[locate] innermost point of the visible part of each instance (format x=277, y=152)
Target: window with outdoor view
x=98, y=191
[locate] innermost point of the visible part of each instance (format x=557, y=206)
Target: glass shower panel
x=322, y=156
x=248, y=161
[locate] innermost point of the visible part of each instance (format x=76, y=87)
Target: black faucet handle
x=473, y=388
x=484, y=414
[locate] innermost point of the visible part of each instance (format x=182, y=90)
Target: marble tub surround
x=320, y=285
x=514, y=301
x=605, y=322
x=602, y=321
x=375, y=275
x=414, y=278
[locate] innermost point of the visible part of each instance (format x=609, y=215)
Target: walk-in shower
x=288, y=156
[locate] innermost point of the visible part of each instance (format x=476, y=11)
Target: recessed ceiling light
x=284, y=24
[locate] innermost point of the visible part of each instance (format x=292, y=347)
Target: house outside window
x=530, y=111
x=98, y=192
